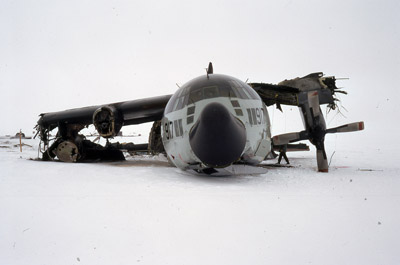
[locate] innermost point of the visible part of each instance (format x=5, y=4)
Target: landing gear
x=282, y=153
x=80, y=150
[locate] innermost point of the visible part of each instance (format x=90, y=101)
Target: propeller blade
x=286, y=138
x=322, y=160
x=351, y=127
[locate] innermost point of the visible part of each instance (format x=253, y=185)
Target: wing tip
x=361, y=126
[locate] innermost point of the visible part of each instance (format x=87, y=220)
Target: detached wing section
x=276, y=94
x=294, y=91
x=308, y=93
x=70, y=146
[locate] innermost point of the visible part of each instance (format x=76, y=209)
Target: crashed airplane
x=210, y=125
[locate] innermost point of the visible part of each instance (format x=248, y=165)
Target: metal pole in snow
x=20, y=140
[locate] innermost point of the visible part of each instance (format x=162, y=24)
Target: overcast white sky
x=56, y=55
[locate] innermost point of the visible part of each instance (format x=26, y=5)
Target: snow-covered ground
x=144, y=212
x=57, y=55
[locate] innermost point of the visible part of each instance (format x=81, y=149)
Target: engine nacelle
x=107, y=121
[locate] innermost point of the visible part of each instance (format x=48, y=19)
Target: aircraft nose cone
x=217, y=138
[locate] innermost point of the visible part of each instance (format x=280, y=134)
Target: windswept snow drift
x=143, y=211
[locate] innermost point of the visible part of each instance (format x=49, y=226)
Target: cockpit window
x=227, y=92
x=201, y=88
x=196, y=95
x=181, y=103
x=211, y=92
x=238, y=88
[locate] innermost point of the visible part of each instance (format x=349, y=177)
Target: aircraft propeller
x=315, y=130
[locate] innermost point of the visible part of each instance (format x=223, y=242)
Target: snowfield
x=59, y=55
x=143, y=211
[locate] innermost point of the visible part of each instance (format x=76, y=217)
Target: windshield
x=204, y=88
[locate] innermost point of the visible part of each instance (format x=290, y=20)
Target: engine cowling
x=107, y=121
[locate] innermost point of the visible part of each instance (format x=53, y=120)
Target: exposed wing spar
x=308, y=93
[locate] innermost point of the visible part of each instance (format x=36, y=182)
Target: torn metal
x=294, y=91
x=69, y=145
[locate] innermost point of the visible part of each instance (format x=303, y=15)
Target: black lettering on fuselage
x=173, y=128
x=256, y=116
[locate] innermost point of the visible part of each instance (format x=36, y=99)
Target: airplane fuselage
x=214, y=121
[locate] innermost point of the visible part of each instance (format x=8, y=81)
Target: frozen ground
x=144, y=212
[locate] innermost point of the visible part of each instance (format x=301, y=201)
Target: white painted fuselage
x=186, y=107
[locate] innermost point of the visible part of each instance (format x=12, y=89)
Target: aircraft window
x=180, y=104
x=168, y=108
x=185, y=90
x=252, y=92
x=240, y=93
x=246, y=92
x=196, y=95
x=189, y=119
x=239, y=112
x=238, y=88
x=185, y=100
x=178, y=100
x=171, y=104
x=193, y=92
x=243, y=90
x=226, y=91
x=210, y=92
x=235, y=103
x=190, y=110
